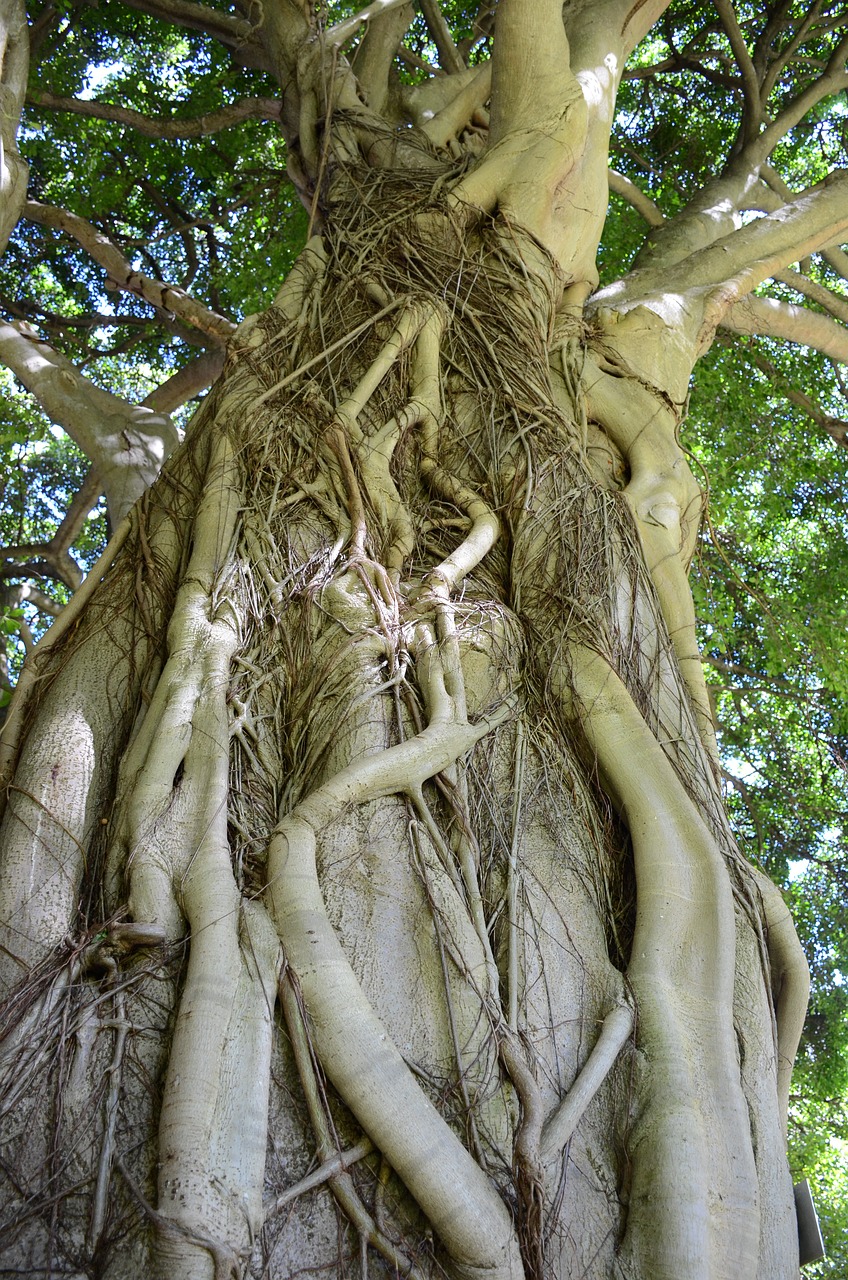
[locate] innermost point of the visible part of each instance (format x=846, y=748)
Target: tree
x=368, y=894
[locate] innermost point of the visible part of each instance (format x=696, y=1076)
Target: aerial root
x=226, y=1262
x=201, y=640
x=121, y=1026
x=790, y=985
x=616, y=1031
x=352, y=1044
x=681, y=972
x=334, y=1164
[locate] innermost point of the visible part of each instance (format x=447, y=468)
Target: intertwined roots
x=411, y=645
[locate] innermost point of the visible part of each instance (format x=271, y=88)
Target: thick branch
x=375, y=54
x=230, y=30
x=126, y=443
x=450, y=59
x=14, y=66
x=837, y=259
x=341, y=32
x=187, y=382
x=109, y=256
x=744, y=259
x=621, y=186
x=162, y=126
x=774, y=319
x=826, y=298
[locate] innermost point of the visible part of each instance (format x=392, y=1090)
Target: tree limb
x=834, y=80
x=341, y=32
x=826, y=298
x=126, y=443
x=837, y=259
x=187, y=382
x=55, y=554
x=754, y=253
x=14, y=68
x=836, y=428
x=774, y=319
x=109, y=256
x=752, y=111
x=26, y=593
x=162, y=126
x=450, y=59
x=375, y=54
x=621, y=186
x=230, y=30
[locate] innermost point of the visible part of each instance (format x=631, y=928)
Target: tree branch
x=836, y=428
x=341, y=32
x=109, y=256
x=375, y=54
x=773, y=319
x=754, y=253
x=162, y=126
x=14, y=68
x=621, y=186
x=230, y=30
x=56, y=560
x=752, y=111
x=450, y=59
x=27, y=593
x=126, y=443
x=187, y=382
x=773, y=69
x=833, y=80
x=837, y=259
x=826, y=298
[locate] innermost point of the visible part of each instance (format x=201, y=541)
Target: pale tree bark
x=366, y=799
x=14, y=65
x=126, y=443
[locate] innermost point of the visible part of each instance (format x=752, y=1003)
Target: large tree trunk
x=369, y=807
x=417, y=755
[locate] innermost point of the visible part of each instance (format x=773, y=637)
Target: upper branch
x=14, y=67
x=833, y=80
x=121, y=272
x=230, y=30
x=776, y=319
x=826, y=298
x=642, y=203
x=836, y=428
x=450, y=58
x=127, y=443
x=341, y=32
x=162, y=126
x=752, y=114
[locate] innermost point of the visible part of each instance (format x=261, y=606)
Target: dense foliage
x=109, y=134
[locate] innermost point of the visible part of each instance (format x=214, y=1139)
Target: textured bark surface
x=368, y=900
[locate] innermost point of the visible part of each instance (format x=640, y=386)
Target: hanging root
x=685, y=1146
x=790, y=982
x=352, y=1044
x=334, y=1164
x=616, y=1031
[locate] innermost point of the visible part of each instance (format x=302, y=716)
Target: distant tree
x=368, y=898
